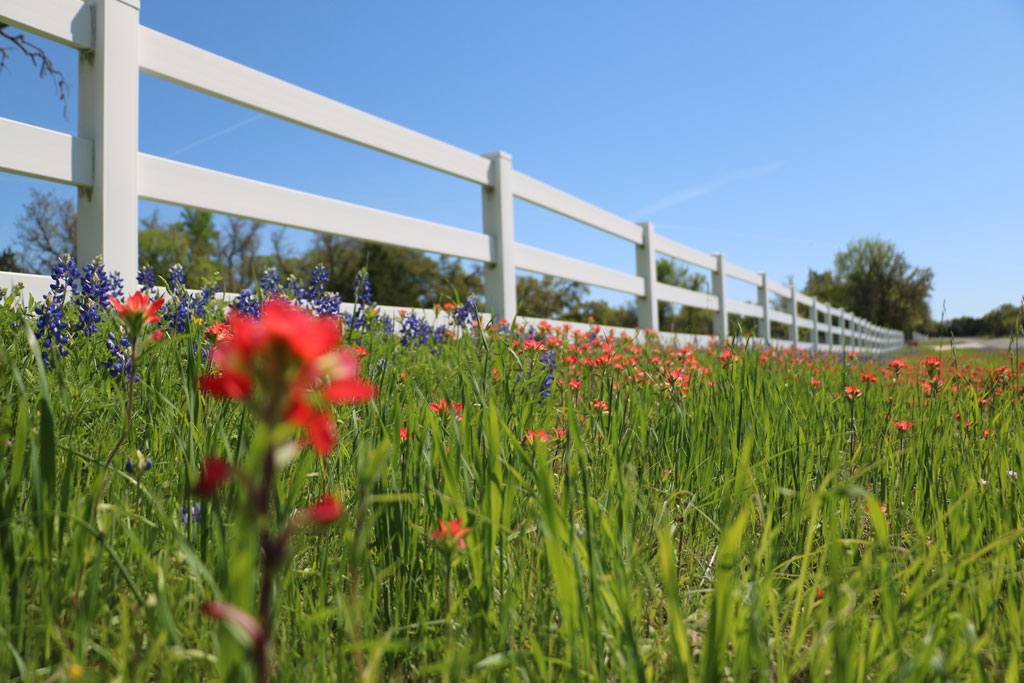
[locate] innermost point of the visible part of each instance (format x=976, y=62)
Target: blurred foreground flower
x=285, y=365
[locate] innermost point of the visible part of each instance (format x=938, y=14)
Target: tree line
x=1002, y=321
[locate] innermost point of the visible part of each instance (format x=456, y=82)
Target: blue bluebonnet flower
x=120, y=352
x=129, y=466
x=318, y=278
x=466, y=313
x=190, y=514
x=65, y=275
x=414, y=329
x=95, y=286
x=363, y=295
x=292, y=288
x=246, y=303
x=363, y=291
x=270, y=281
x=315, y=293
x=51, y=327
x=177, y=321
x=176, y=278
x=549, y=360
x=201, y=300
x=147, y=278
x=183, y=305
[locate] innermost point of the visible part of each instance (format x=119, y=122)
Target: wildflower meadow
x=282, y=487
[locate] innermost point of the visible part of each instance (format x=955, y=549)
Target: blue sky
x=773, y=132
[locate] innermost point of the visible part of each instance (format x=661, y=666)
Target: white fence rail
x=103, y=160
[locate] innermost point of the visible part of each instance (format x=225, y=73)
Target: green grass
x=955, y=355
x=672, y=537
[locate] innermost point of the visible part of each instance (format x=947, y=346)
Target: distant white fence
x=104, y=162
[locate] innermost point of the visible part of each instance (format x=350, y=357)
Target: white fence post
x=794, y=328
x=108, y=114
x=720, y=326
x=814, y=325
x=829, y=327
x=844, y=338
x=500, y=275
x=764, y=325
x=647, y=268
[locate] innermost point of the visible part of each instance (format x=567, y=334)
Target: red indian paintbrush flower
x=443, y=406
x=287, y=364
x=324, y=511
x=451, y=532
x=136, y=312
x=903, y=425
x=218, y=332
x=534, y=435
x=853, y=392
x=138, y=304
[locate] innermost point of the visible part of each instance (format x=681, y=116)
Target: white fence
x=104, y=162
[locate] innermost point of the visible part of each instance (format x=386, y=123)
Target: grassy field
x=957, y=351
x=635, y=512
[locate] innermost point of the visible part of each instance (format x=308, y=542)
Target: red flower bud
x=212, y=474
x=223, y=611
x=324, y=511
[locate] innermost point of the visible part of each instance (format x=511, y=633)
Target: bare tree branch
x=237, y=251
x=47, y=230
x=19, y=43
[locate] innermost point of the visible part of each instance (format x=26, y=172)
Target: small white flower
x=1012, y=474
x=984, y=482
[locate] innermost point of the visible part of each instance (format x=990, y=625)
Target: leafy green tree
x=161, y=245
x=400, y=277
x=458, y=283
x=549, y=297
x=9, y=261
x=604, y=313
x=687, y=319
x=872, y=278
x=201, y=234
x=1001, y=321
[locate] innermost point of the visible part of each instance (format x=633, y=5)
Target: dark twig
x=39, y=58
